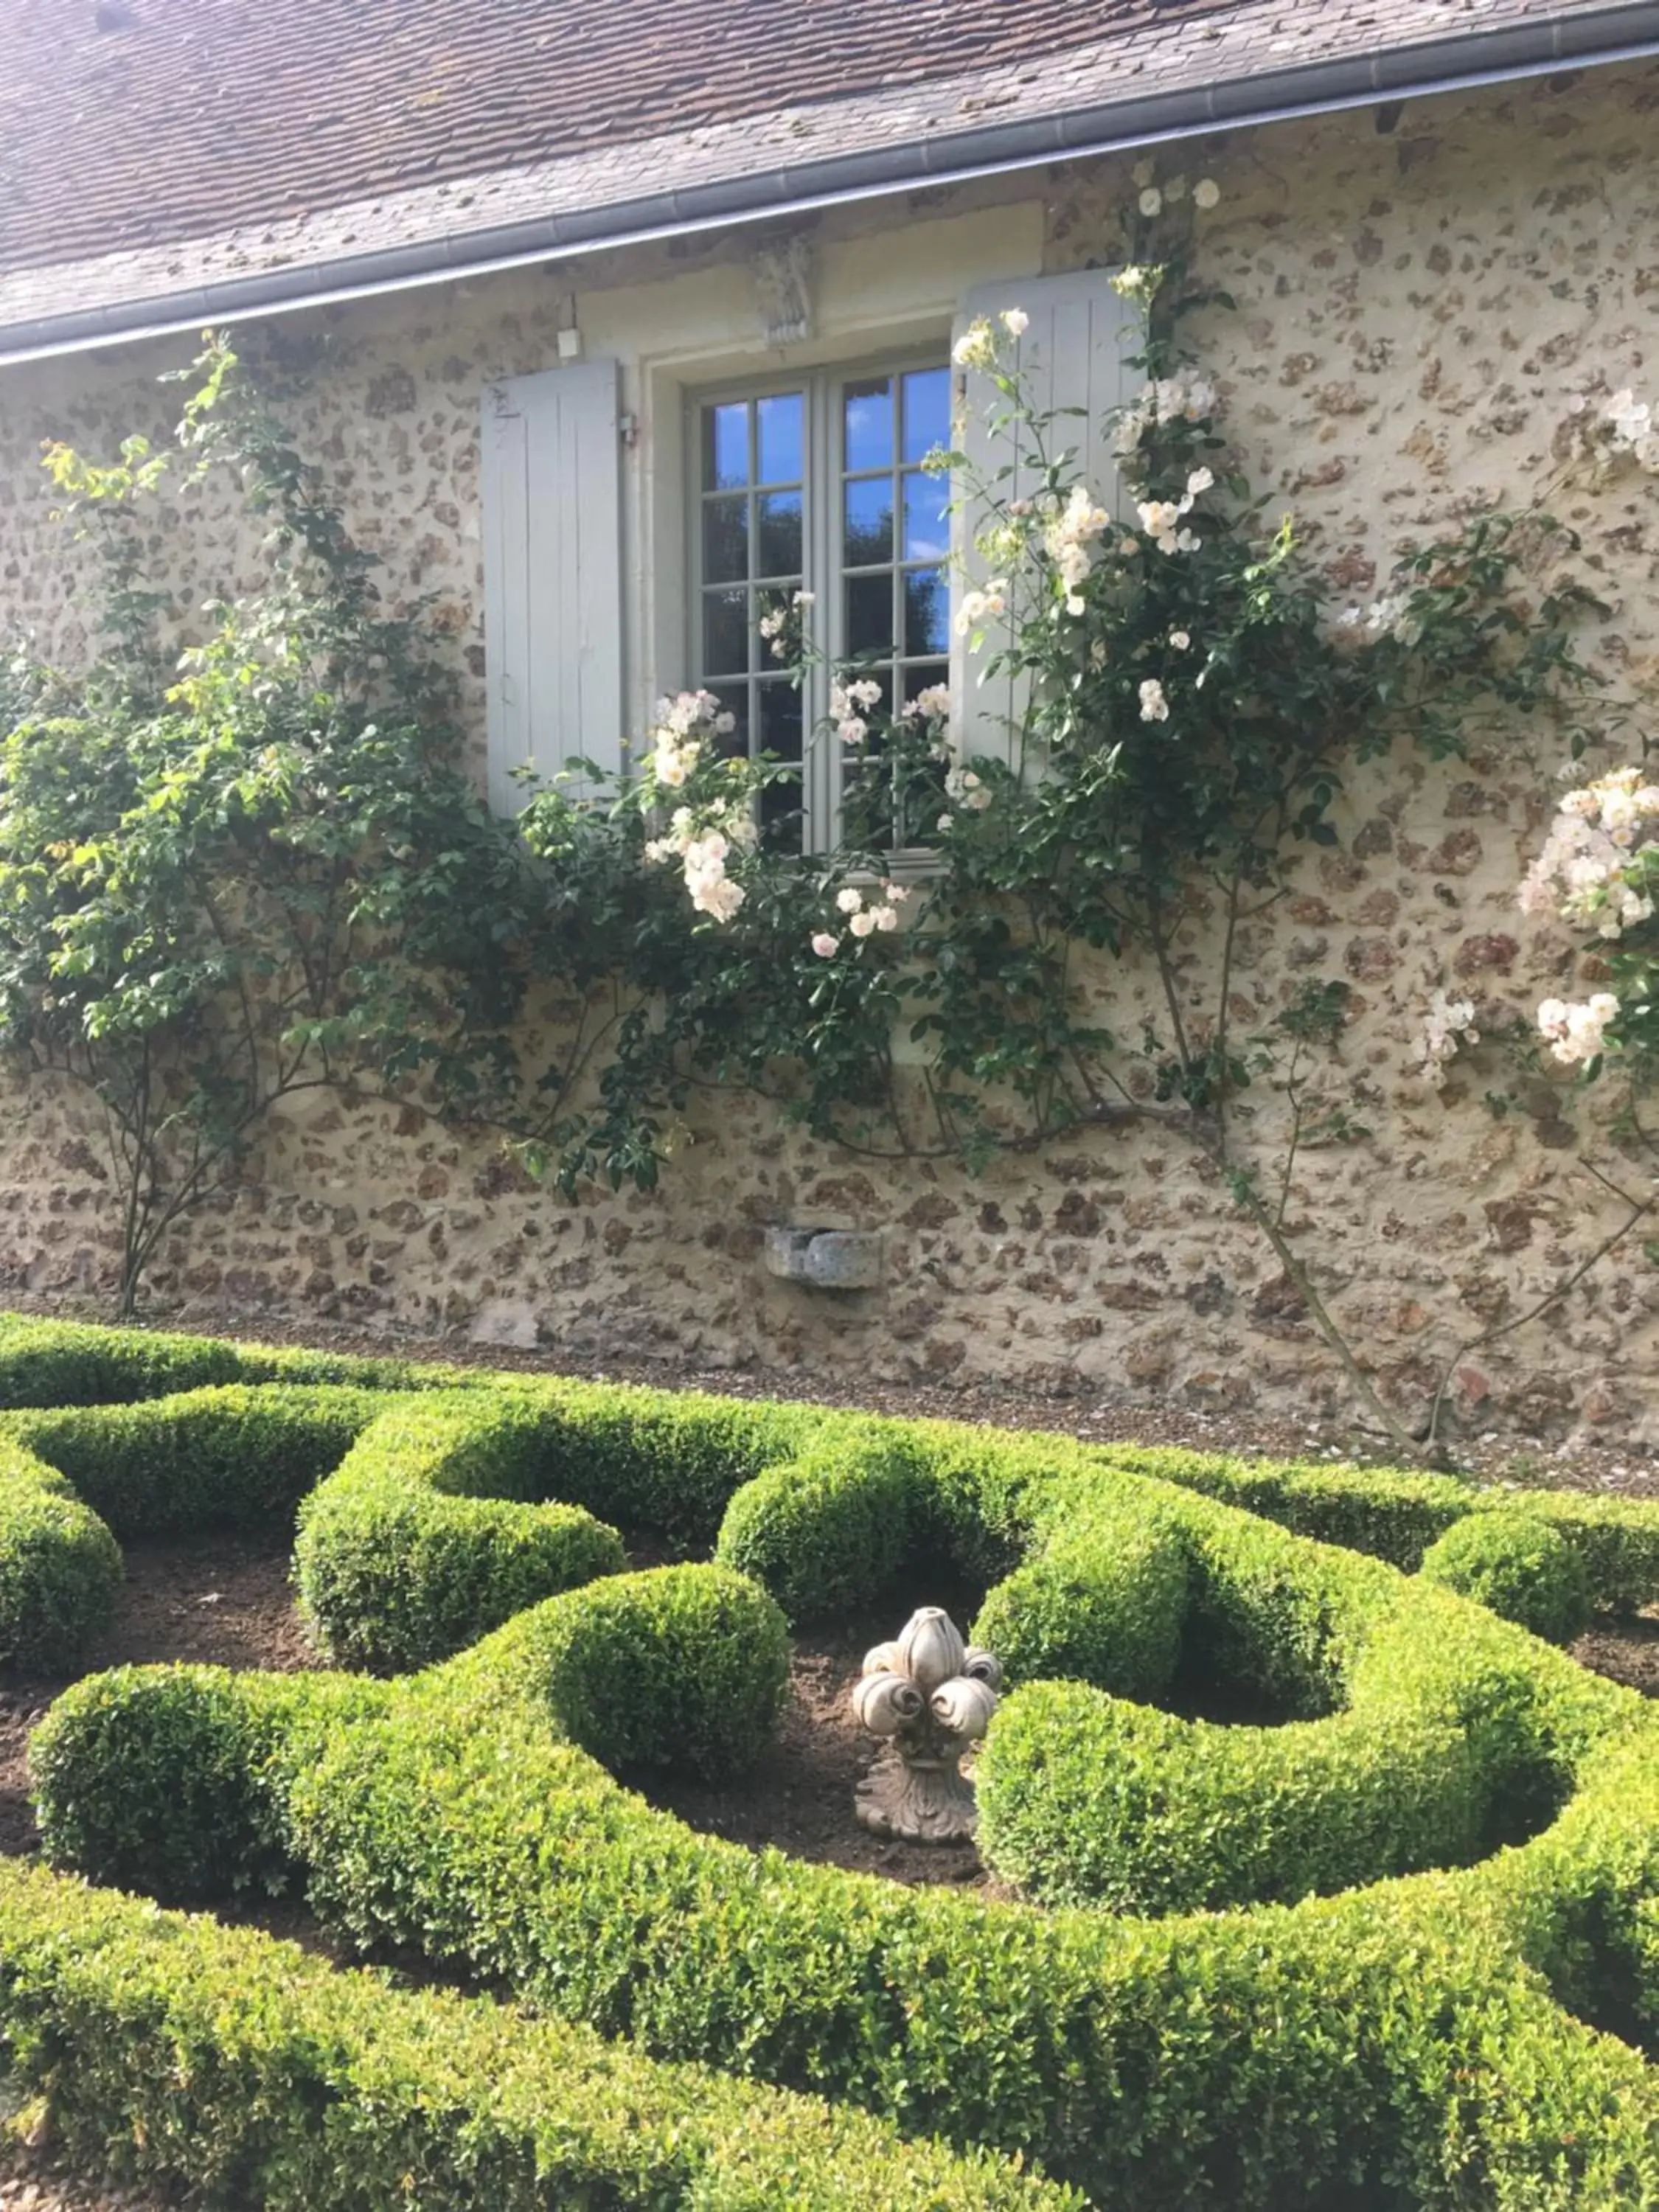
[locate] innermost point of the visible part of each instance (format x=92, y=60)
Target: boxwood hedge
x=251, y=2073
x=1399, y=1949
x=432, y=1531
x=1518, y=1565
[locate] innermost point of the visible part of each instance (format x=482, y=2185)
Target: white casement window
x=805, y=482
x=815, y=485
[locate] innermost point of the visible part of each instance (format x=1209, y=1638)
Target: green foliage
x=1373, y=2047
x=269, y=875
x=826, y=1532
x=1397, y=1515
x=662, y=1460
x=686, y=1668
x=1523, y=1569
x=62, y=1362
x=1085, y=1799
x=59, y=1567
x=162, y=1779
x=1428, y=1755
x=246, y=2071
x=1103, y=1600
x=426, y=1535
x=232, y=1456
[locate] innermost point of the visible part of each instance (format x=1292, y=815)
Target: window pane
x=926, y=523
x=725, y=539
x=734, y=697
x=725, y=446
x=926, y=412
x=778, y=438
x=725, y=633
x=869, y=615
x=781, y=734
x=781, y=719
x=869, y=407
x=869, y=534
x=780, y=534
x=926, y=611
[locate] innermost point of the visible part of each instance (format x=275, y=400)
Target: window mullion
x=824, y=818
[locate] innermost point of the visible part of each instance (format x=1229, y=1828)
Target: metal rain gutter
x=1536, y=47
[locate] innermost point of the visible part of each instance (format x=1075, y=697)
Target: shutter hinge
x=628, y=427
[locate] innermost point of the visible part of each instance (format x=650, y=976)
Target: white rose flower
x=976, y=348
x=849, y=899
x=884, y=917
x=862, y=924
x=1152, y=201
x=1182, y=639
x=1154, y=707
x=1016, y=322
x=825, y=945
x=1205, y=192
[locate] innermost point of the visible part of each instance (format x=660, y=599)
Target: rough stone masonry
x=1426, y=304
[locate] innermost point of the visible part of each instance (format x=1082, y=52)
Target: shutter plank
x=553, y=624
x=1073, y=354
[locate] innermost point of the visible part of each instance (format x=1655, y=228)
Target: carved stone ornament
x=783, y=269
x=930, y=1695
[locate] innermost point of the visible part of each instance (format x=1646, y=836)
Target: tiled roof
x=210, y=161
x=131, y=122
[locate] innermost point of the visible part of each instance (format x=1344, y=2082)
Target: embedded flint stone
x=825, y=1259
x=929, y=1696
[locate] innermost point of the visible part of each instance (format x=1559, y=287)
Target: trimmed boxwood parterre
x=254, y=2074
x=1400, y=1950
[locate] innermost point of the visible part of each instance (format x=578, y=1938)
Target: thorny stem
x=1638, y=1207
x=1398, y=1435
x=1210, y=1135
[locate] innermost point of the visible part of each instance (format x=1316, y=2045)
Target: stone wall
x=1427, y=303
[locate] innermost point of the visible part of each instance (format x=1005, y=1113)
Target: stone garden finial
x=931, y=1695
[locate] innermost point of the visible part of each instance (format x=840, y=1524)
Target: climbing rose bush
x=1599, y=870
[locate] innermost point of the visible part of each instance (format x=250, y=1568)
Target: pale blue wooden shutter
x=1072, y=354
x=552, y=577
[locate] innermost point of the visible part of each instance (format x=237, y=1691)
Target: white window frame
x=823, y=476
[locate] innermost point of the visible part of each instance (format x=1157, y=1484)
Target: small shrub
x=161, y=1778
x=1085, y=1800
x=825, y=1532
x=683, y=1667
x=1103, y=1602
x=229, y=1456
x=61, y=1363
x=425, y=1539
x=1520, y=1567
x=59, y=1567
